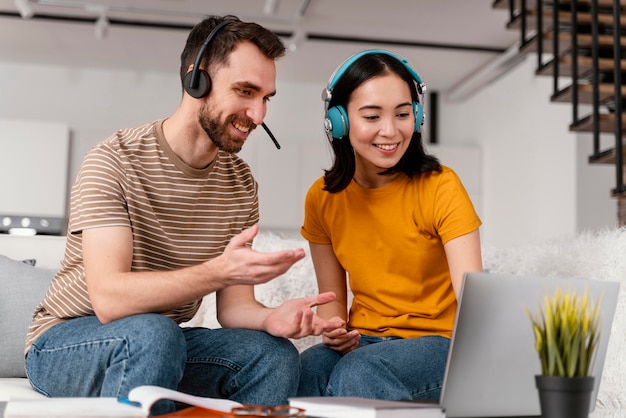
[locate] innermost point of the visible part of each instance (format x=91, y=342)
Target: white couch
x=598, y=255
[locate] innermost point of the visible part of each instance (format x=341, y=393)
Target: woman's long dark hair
x=414, y=161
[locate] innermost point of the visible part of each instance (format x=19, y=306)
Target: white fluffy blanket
x=599, y=255
x=299, y=281
x=595, y=255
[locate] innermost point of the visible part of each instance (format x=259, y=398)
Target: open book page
x=147, y=395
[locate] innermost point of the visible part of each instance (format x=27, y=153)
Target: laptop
x=492, y=361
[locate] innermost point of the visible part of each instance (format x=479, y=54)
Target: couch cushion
x=47, y=250
x=23, y=287
x=17, y=388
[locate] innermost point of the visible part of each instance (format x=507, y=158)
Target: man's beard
x=218, y=131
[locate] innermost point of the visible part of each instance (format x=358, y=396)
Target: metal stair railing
x=518, y=10
x=617, y=84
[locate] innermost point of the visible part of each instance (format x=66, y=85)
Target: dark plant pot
x=564, y=397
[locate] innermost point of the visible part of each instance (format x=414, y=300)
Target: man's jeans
x=380, y=368
x=82, y=357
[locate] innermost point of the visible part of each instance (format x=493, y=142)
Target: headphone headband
x=338, y=73
x=195, y=72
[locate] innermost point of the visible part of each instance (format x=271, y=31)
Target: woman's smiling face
x=380, y=113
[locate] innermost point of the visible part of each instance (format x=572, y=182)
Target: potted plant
x=567, y=331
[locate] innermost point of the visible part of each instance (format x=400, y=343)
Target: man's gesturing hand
x=295, y=319
x=240, y=264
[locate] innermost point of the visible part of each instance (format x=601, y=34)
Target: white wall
x=92, y=102
x=533, y=182
x=596, y=207
x=295, y=118
x=33, y=173
x=96, y=102
x=536, y=180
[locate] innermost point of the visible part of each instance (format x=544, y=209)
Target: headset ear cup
x=419, y=116
x=204, y=84
x=337, y=118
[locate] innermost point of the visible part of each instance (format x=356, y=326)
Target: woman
x=399, y=226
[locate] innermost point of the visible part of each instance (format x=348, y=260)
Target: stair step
x=504, y=4
x=606, y=123
x=565, y=42
x=584, y=18
x=606, y=91
x=584, y=66
x=620, y=195
x=606, y=157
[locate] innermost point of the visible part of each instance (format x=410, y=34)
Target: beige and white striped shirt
x=179, y=215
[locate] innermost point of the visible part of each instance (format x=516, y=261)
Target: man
x=160, y=216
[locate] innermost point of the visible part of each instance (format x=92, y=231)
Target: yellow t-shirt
x=390, y=242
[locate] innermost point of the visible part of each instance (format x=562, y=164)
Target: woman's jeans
x=82, y=357
x=380, y=368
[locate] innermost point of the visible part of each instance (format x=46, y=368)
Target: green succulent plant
x=567, y=332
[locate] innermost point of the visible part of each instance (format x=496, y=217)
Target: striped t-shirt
x=179, y=215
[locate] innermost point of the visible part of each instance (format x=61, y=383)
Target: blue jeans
x=380, y=368
x=82, y=357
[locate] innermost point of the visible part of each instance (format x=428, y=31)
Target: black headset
x=336, y=123
x=197, y=82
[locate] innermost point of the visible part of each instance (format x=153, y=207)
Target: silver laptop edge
x=492, y=360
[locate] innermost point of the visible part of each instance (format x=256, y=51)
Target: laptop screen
x=492, y=361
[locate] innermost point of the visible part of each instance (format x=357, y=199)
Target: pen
x=129, y=402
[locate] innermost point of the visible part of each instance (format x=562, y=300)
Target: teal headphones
x=336, y=123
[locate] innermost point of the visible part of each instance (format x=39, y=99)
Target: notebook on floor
x=492, y=360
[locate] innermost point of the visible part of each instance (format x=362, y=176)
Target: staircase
x=576, y=42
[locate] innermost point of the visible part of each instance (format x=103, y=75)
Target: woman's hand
x=340, y=339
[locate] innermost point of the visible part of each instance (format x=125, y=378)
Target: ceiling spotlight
x=25, y=8
x=296, y=40
x=102, y=23
x=102, y=26
x=270, y=7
